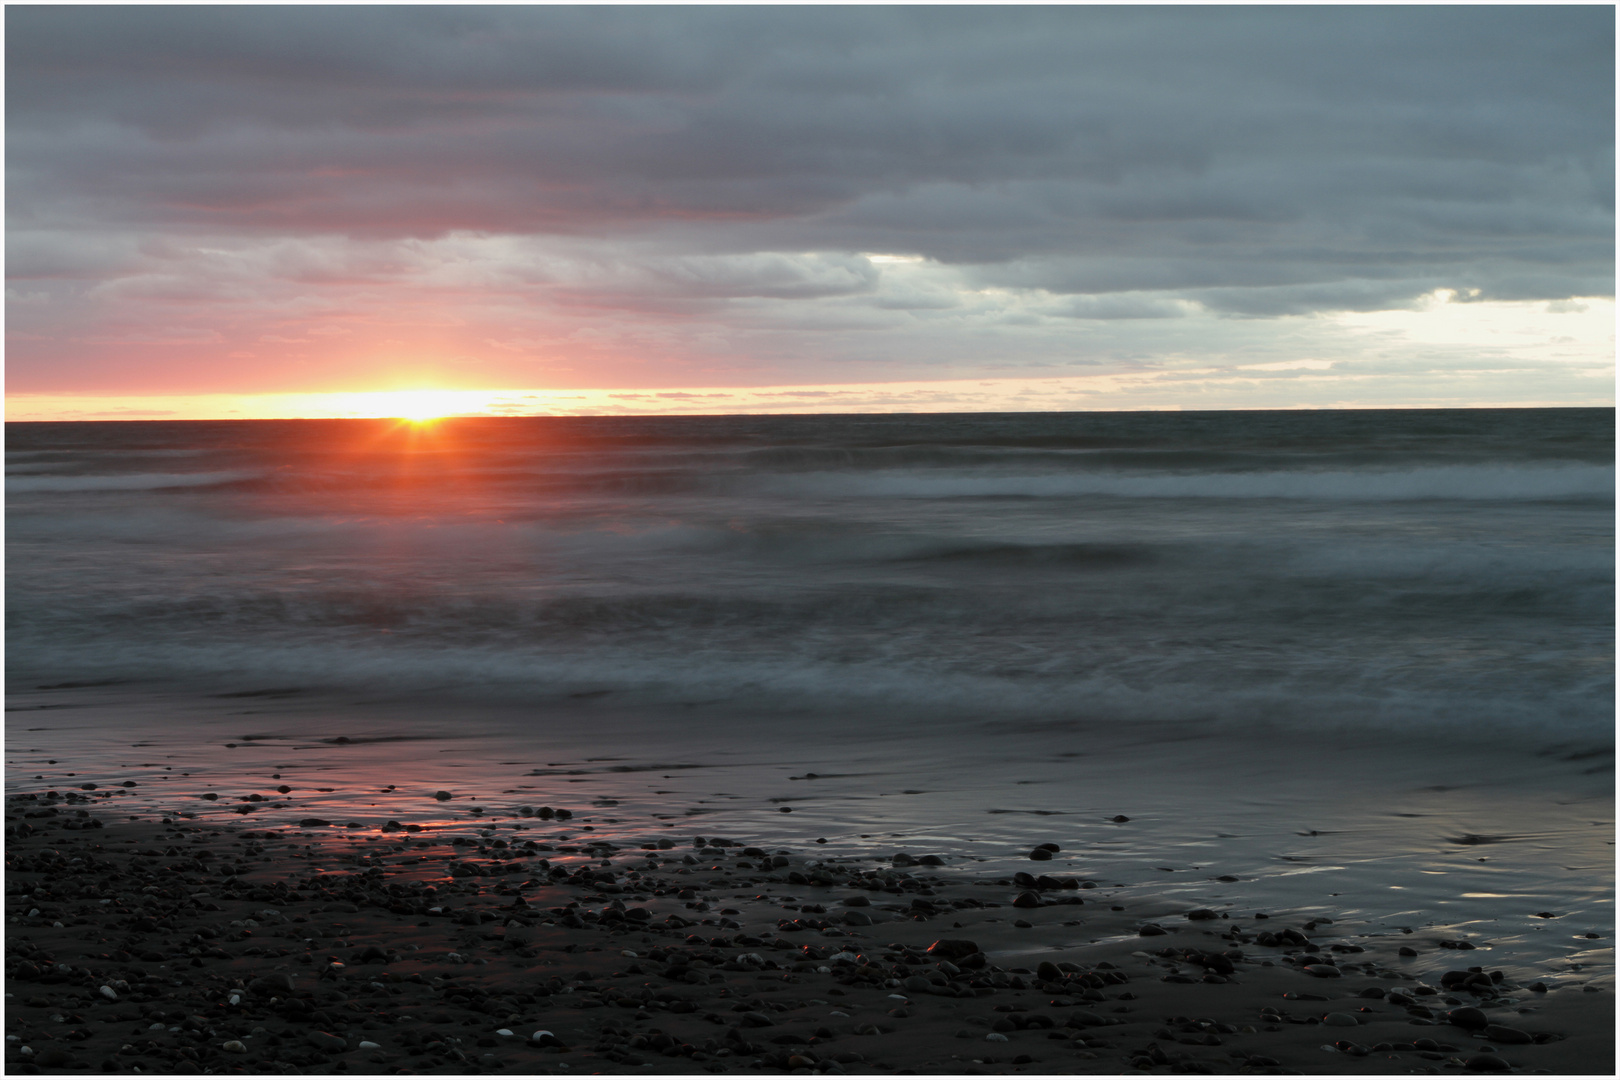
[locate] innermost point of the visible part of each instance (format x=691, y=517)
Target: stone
x=233, y=1047
x=1486, y=1063
x=1507, y=1035
x=443, y=796
x=1152, y=930
x=313, y=823
x=856, y=901
x=996, y=1036
x=272, y=985
x=1323, y=971
x=1119, y=819
x=952, y=949
x=1468, y=1018
x=1047, y=971
x=326, y=1042
x=1040, y=854
x=1027, y=900
x=857, y=918
x=1341, y=1019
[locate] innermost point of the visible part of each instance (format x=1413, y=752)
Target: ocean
x=1394, y=569
x=1322, y=650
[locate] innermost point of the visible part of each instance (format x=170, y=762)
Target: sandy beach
x=160, y=924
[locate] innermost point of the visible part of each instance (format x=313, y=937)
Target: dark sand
x=196, y=947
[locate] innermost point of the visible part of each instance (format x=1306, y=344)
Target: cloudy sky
x=231, y=208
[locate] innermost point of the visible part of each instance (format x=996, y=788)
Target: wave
x=20, y=485
x=1460, y=482
x=870, y=690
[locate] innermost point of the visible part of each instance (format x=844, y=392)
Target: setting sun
x=417, y=405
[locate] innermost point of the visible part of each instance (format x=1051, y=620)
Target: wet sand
x=263, y=882
x=181, y=947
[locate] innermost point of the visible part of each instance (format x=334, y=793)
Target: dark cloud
x=1126, y=163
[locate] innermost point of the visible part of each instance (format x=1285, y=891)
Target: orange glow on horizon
x=417, y=406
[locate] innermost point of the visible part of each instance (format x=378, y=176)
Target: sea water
x=1323, y=651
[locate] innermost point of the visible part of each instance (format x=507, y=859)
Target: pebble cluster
x=170, y=946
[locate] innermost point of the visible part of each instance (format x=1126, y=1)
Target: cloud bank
x=251, y=199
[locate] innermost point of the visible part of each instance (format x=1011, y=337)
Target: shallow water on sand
x=1452, y=840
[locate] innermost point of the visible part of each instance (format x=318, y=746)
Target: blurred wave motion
x=1426, y=568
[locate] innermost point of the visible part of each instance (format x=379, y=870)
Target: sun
x=417, y=406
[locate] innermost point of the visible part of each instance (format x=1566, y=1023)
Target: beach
x=429, y=928
x=998, y=744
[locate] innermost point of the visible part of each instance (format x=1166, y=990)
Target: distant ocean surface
x=1430, y=570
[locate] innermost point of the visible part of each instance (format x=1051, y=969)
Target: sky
x=347, y=210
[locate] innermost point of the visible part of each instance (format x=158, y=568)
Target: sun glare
x=417, y=406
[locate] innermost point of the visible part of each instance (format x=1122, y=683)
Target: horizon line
x=1301, y=387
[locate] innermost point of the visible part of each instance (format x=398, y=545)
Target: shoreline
x=700, y=958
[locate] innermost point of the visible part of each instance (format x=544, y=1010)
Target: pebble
x=1487, y=1063
x=1152, y=930
x=953, y=948
x=1468, y=1018
x=270, y=985
x=1341, y=1019
x=996, y=1036
x=1323, y=971
x=233, y=1047
x=1027, y=900
x=1511, y=1036
x=443, y=796
x=369, y=1045
x=326, y=1042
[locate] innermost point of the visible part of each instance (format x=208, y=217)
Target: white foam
x=1571, y=480
x=19, y=485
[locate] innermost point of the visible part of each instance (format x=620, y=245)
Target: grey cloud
x=1259, y=161
x=1121, y=307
